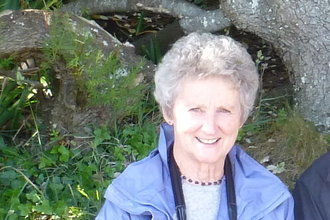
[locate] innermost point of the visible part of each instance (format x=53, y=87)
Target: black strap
x=180, y=205
x=230, y=189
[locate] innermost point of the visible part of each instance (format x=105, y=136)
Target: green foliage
x=14, y=97
x=200, y=3
x=283, y=140
x=152, y=52
x=139, y=141
x=30, y=4
x=65, y=183
x=140, y=25
x=102, y=80
x=7, y=63
x=61, y=182
x=263, y=115
x=111, y=83
x=10, y=4
x=303, y=142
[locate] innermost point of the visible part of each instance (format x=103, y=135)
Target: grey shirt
x=202, y=202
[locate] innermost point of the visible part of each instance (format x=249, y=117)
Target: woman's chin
x=209, y=153
x=207, y=158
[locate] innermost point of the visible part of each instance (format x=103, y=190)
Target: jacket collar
x=166, y=139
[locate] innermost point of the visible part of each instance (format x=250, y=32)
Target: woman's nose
x=209, y=124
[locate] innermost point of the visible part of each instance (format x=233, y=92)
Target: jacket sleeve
x=305, y=203
x=282, y=212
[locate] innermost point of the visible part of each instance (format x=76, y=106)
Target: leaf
x=25, y=209
x=91, y=168
x=2, y=142
x=65, y=153
x=61, y=207
x=259, y=54
x=105, y=135
x=18, y=183
x=139, y=26
x=264, y=160
x=55, y=149
x=8, y=176
x=18, y=110
x=33, y=196
x=64, y=158
x=82, y=191
x=44, y=208
x=157, y=51
x=271, y=140
x=44, y=162
x=279, y=168
x=56, y=186
x=13, y=216
x=97, y=133
x=11, y=4
x=8, y=105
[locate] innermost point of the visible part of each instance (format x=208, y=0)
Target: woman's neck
x=197, y=171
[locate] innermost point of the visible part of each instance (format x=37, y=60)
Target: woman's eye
x=195, y=110
x=224, y=111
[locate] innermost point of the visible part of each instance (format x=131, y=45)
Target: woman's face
x=206, y=117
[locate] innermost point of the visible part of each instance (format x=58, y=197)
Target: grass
x=299, y=145
x=288, y=142
x=63, y=182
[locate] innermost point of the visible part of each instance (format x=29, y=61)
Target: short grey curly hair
x=206, y=55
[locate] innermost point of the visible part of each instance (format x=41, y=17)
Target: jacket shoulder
x=261, y=192
x=145, y=174
x=246, y=167
x=142, y=181
x=144, y=187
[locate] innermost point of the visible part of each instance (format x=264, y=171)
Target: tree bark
x=299, y=30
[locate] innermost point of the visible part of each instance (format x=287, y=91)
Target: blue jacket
x=144, y=190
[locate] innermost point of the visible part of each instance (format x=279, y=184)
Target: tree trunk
x=299, y=31
x=23, y=34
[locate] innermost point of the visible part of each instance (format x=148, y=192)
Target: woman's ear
x=167, y=117
x=242, y=123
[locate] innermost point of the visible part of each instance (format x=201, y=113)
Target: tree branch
x=192, y=18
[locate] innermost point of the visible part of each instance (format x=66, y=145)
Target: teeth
x=206, y=141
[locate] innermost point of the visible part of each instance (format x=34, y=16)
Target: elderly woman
x=206, y=86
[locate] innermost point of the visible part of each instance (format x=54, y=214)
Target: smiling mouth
x=208, y=141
